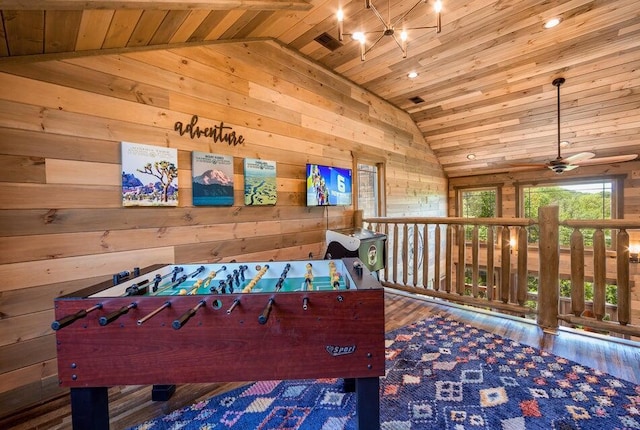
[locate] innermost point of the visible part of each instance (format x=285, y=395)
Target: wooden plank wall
x=62, y=226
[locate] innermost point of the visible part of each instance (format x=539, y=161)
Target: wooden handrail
x=525, y=222
x=602, y=224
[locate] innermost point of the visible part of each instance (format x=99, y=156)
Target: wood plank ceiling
x=485, y=80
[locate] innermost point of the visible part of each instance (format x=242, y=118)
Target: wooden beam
x=156, y=4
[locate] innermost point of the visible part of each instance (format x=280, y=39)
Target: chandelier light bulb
x=340, y=16
x=403, y=43
x=437, y=6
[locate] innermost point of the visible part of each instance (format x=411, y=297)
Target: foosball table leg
x=162, y=393
x=90, y=408
x=349, y=385
x=368, y=403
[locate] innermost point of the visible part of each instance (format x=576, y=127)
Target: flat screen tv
x=328, y=186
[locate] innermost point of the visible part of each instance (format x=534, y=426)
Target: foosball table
x=224, y=322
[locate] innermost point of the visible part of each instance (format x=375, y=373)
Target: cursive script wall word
x=218, y=133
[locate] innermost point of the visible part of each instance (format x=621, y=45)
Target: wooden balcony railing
x=488, y=263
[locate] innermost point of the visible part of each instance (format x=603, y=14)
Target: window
x=594, y=199
x=369, y=185
x=478, y=203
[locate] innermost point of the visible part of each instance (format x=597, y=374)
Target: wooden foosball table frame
x=307, y=334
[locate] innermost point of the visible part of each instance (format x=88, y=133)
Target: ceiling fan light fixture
x=389, y=27
x=563, y=164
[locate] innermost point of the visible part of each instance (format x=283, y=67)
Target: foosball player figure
x=335, y=280
x=209, y=278
x=236, y=277
x=308, y=277
x=223, y=287
x=196, y=286
x=332, y=269
x=242, y=269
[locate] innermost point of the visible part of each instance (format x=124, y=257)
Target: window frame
x=617, y=191
x=617, y=195
x=459, y=191
x=381, y=183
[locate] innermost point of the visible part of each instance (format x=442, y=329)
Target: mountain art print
x=149, y=175
x=260, y=186
x=212, y=179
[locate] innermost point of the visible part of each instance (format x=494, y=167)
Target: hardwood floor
x=131, y=405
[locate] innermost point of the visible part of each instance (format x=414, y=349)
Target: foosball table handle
x=180, y=322
x=264, y=316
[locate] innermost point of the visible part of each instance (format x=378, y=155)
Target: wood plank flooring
x=132, y=405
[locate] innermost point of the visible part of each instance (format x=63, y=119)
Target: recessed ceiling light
x=471, y=156
x=552, y=23
x=412, y=75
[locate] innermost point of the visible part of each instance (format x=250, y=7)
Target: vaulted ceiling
x=484, y=84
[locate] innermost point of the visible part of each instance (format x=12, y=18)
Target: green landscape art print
x=260, y=186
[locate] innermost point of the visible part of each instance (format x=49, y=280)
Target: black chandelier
x=389, y=28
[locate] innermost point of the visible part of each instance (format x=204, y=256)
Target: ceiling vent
x=328, y=41
x=417, y=99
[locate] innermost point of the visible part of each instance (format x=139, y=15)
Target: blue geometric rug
x=440, y=374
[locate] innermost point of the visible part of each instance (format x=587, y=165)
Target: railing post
x=577, y=272
x=549, y=251
x=622, y=262
x=505, y=261
x=386, y=252
x=599, y=274
x=523, y=254
x=436, y=257
x=395, y=253
x=448, y=258
x=416, y=250
x=405, y=253
x=490, y=265
x=460, y=268
x=425, y=256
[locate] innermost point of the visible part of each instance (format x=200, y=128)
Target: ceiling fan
x=560, y=164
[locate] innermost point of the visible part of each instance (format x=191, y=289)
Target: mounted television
x=328, y=186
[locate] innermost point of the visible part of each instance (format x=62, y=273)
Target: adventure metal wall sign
x=217, y=133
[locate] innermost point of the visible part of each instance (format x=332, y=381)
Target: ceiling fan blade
x=526, y=167
x=607, y=160
x=536, y=165
x=577, y=158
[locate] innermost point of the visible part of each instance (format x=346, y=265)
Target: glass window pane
x=588, y=200
x=368, y=190
x=478, y=203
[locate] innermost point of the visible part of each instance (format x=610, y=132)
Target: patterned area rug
x=440, y=374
